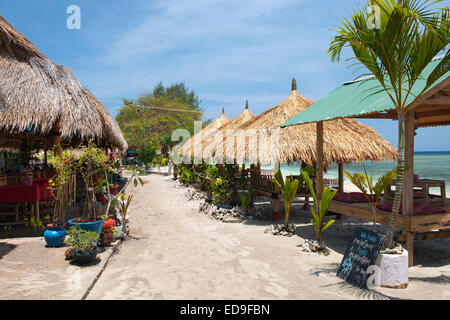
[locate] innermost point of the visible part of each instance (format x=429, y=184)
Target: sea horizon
x=427, y=164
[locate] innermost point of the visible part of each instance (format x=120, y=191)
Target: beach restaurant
x=423, y=216
x=42, y=107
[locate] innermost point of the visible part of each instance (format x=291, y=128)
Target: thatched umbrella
x=217, y=148
x=196, y=141
x=41, y=99
x=345, y=140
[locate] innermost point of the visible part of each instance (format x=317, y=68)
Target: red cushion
x=419, y=208
x=418, y=194
x=350, y=197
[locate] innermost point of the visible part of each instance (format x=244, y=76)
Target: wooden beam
x=442, y=100
x=427, y=95
x=319, y=159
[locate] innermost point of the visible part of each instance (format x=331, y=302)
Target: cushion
x=418, y=194
x=418, y=209
x=350, y=197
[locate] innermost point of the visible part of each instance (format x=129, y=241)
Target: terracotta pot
x=114, y=189
x=101, y=197
x=97, y=177
x=106, y=239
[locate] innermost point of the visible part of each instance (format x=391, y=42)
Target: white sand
x=179, y=253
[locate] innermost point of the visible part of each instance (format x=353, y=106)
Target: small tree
x=92, y=161
x=396, y=51
x=320, y=207
x=65, y=167
x=147, y=155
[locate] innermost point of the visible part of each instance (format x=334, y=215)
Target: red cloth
x=16, y=193
x=351, y=197
x=46, y=192
x=418, y=209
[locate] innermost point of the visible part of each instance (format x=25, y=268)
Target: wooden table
x=425, y=185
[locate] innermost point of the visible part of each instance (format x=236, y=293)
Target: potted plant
x=83, y=243
x=396, y=50
x=65, y=167
x=106, y=236
x=91, y=162
x=124, y=205
x=114, y=167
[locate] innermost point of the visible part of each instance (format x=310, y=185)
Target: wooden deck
x=422, y=227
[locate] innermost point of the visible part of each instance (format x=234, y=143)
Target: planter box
x=393, y=270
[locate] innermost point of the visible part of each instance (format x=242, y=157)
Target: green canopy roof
x=357, y=98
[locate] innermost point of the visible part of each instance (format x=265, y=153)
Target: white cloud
x=174, y=25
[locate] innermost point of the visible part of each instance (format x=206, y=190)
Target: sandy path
x=179, y=253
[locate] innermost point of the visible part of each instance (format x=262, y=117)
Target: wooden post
x=408, y=183
x=341, y=177
x=45, y=157
x=319, y=159
x=57, y=145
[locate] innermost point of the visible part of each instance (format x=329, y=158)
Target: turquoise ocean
x=431, y=165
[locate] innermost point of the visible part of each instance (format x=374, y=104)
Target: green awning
x=356, y=98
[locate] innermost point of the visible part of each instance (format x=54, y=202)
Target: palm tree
x=395, y=48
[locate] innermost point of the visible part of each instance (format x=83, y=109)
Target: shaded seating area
x=259, y=140
x=43, y=107
x=346, y=141
x=424, y=217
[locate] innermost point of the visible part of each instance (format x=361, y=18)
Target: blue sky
x=226, y=51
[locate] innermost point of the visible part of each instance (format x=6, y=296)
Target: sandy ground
x=31, y=271
x=177, y=252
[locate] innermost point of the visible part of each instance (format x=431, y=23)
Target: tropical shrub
x=246, y=198
x=372, y=192
x=288, y=189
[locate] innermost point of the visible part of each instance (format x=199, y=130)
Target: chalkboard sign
x=361, y=254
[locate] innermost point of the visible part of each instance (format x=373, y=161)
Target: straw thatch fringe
x=199, y=138
x=39, y=97
x=345, y=140
x=218, y=143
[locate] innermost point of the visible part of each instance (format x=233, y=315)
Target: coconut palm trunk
x=388, y=242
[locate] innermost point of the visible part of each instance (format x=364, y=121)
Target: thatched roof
x=345, y=140
x=111, y=128
x=197, y=139
x=213, y=144
x=40, y=98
